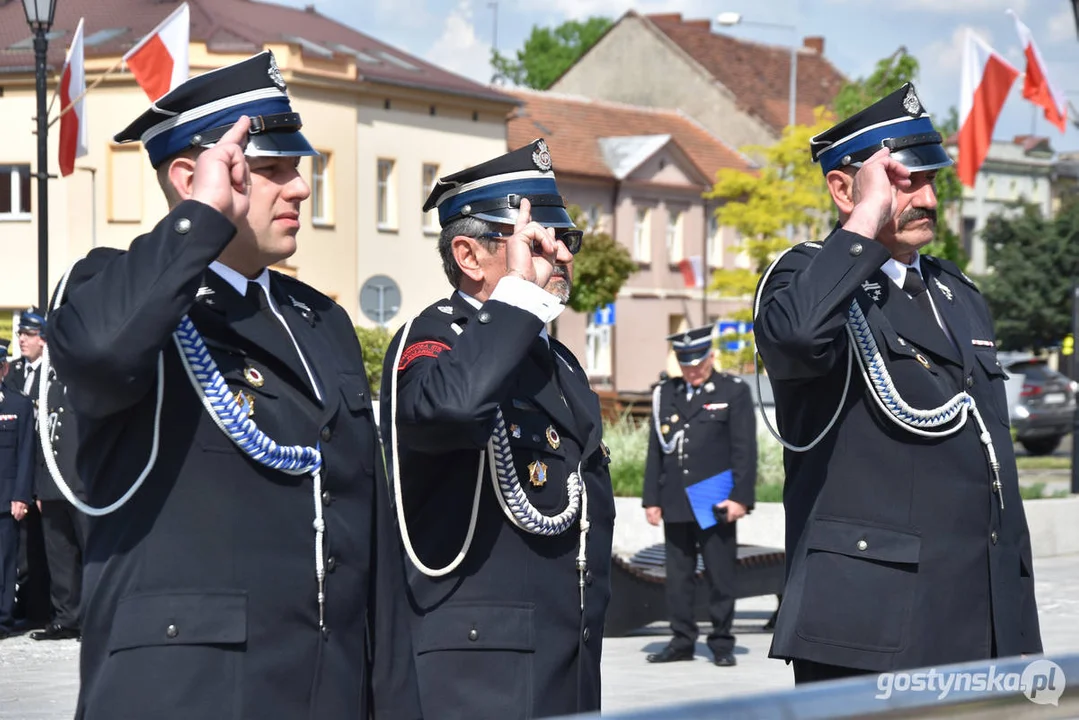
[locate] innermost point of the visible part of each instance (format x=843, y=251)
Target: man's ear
x=841, y=188
x=464, y=254
x=182, y=176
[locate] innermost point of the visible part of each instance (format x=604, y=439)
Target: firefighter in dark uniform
x=16, y=472
x=63, y=526
x=504, y=493
x=242, y=562
x=907, y=544
x=32, y=600
x=702, y=425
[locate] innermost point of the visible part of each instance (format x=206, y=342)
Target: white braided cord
x=667, y=447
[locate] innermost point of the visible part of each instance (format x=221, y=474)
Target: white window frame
x=16, y=214
x=675, y=242
x=322, y=188
x=715, y=241
x=642, y=240
x=428, y=179
x=385, y=206
x=599, y=350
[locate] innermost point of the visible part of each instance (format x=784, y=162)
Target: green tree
x=374, y=343
x=1035, y=260
x=787, y=190
x=548, y=52
x=600, y=269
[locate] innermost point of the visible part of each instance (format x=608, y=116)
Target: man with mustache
x=493, y=438
x=907, y=545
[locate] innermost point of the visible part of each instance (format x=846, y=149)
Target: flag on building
x=73, y=121
x=692, y=271
x=159, y=61
x=986, y=81
x=1036, y=85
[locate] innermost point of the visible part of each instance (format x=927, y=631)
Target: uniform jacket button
x=586, y=634
x=327, y=498
x=856, y=249
x=325, y=632
x=326, y=434
x=970, y=381
x=484, y=317
x=182, y=226
x=993, y=537
x=588, y=577
x=331, y=563
x=862, y=545
x=473, y=635
x=172, y=631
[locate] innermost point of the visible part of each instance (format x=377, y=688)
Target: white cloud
x=1061, y=27
x=459, y=48
x=953, y=7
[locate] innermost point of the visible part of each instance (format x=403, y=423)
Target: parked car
x=1042, y=408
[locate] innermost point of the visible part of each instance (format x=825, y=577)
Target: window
x=642, y=242
x=430, y=177
x=387, y=217
x=595, y=212
x=322, y=188
x=125, y=188
x=674, y=236
x=597, y=349
x=15, y=192
x=715, y=241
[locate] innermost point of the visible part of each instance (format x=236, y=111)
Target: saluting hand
x=222, y=178
x=874, y=193
x=519, y=258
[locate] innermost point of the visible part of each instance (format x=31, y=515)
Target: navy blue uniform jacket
x=898, y=552
x=200, y=599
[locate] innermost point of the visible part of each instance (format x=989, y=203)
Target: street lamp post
x=39, y=16
x=729, y=19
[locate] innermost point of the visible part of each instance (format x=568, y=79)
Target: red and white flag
x=1036, y=85
x=987, y=79
x=73, y=122
x=692, y=271
x=159, y=61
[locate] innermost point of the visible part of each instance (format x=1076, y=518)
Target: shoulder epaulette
x=952, y=269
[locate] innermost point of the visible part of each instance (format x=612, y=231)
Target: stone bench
x=637, y=585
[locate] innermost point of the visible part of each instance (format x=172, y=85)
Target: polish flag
x=692, y=271
x=1036, y=86
x=987, y=79
x=73, y=122
x=159, y=61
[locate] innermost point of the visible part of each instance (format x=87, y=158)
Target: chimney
x=814, y=43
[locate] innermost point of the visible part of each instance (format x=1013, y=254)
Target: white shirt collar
x=477, y=304
x=238, y=281
x=897, y=271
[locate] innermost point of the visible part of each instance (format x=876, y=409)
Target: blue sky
x=458, y=35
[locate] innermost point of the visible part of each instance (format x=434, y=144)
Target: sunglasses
x=572, y=239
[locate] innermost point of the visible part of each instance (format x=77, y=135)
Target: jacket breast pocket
x=176, y=655
x=9, y=435
x=860, y=581
x=476, y=654
x=995, y=393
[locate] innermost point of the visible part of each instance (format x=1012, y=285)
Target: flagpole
x=93, y=85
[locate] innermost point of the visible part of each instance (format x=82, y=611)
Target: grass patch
x=1042, y=462
x=1036, y=491
x=627, y=439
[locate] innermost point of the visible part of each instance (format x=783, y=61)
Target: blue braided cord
x=885, y=388
x=231, y=417
x=514, y=500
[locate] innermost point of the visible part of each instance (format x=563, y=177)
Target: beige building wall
x=407, y=134
x=636, y=64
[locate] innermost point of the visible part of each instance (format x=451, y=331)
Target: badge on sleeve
x=537, y=474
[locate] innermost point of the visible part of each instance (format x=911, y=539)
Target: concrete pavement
x=39, y=680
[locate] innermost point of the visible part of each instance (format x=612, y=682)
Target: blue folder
x=705, y=495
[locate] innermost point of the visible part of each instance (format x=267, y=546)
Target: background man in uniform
x=703, y=425
x=16, y=468
x=33, y=606
x=904, y=547
x=227, y=587
x=515, y=629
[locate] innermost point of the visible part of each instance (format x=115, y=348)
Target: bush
x=627, y=439
x=374, y=342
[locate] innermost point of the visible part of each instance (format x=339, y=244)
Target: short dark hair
x=468, y=227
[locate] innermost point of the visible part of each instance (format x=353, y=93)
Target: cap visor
x=921, y=158
x=545, y=215
x=693, y=358
x=276, y=144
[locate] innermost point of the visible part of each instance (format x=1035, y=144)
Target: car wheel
x=1041, y=446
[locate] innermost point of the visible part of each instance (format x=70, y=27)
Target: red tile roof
x=572, y=127
x=236, y=26
x=757, y=74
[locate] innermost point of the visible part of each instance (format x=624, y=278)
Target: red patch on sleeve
x=427, y=348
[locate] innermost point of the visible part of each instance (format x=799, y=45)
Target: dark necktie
x=918, y=292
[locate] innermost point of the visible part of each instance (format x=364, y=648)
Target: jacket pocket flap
x=990, y=363
x=864, y=541
x=180, y=618
x=354, y=390
x=478, y=626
